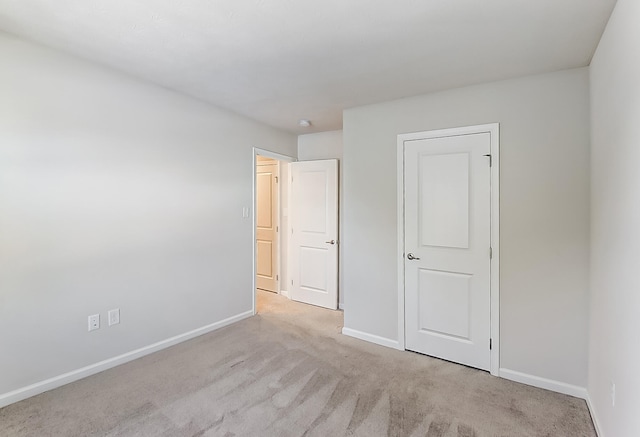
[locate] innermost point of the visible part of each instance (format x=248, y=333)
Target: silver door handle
x=411, y=256
x=331, y=242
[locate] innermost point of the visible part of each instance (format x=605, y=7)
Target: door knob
x=331, y=242
x=411, y=256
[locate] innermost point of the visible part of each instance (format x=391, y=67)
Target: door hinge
x=277, y=277
x=490, y=160
x=490, y=252
x=276, y=179
x=490, y=344
x=277, y=228
x=292, y=282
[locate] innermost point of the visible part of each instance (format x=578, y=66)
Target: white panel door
x=314, y=221
x=447, y=248
x=266, y=227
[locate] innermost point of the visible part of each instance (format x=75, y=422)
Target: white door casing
x=449, y=294
x=267, y=225
x=314, y=222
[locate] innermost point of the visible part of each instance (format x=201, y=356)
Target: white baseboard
x=341, y=306
x=594, y=417
x=382, y=341
x=547, y=384
x=74, y=375
x=285, y=293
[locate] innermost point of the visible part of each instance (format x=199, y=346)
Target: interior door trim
x=494, y=131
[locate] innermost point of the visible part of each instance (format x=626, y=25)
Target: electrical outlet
x=114, y=317
x=94, y=322
x=613, y=394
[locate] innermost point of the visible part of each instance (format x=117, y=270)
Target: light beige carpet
x=289, y=372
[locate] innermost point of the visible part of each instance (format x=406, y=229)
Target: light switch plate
x=114, y=316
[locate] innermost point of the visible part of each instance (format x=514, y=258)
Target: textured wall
x=544, y=213
x=114, y=193
x=614, y=354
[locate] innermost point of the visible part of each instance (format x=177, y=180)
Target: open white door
x=447, y=242
x=314, y=221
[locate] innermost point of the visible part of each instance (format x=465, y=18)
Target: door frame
x=280, y=157
x=494, y=131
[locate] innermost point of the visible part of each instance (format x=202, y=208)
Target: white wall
x=114, y=194
x=614, y=348
x=544, y=125
x=322, y=145
x=327, y=145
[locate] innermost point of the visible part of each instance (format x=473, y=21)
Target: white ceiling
x=277, y=61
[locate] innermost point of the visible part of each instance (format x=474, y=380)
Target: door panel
x=313, y=211
x=266, y=226
x=444, y=192
x=264, y=219
x=439, y=290
x=313, y=268
x=264, y=266
x=314, y=215
x=447, y=231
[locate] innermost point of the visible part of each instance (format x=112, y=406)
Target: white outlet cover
x=94, y=322
x=114, y=316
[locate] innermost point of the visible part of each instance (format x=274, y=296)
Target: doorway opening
x=268, y=243
x=270, y=223
x=295, y=229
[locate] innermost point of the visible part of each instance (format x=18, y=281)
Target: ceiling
x=277, y=61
